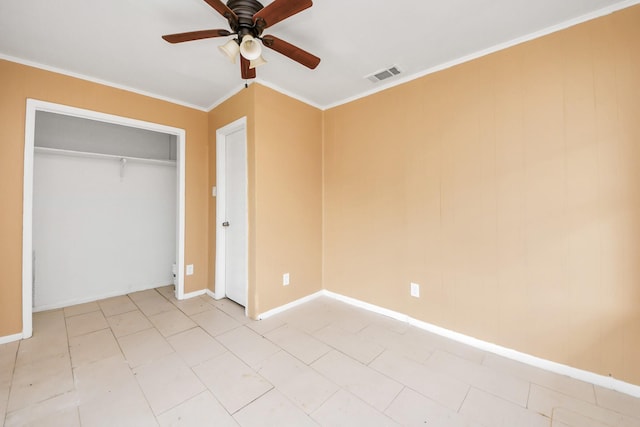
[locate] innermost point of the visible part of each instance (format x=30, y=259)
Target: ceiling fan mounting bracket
x=244, y=10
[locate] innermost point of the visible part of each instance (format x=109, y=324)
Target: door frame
x=33, y=106
x=220, y=263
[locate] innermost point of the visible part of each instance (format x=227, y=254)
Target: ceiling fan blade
x=195, y=35
x=223, y=10
x=291, y=51
x=247, y=73
x=279, y=10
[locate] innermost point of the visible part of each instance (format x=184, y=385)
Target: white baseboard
x=290, y=305
x=558, y=368
x=211, y=293
x=10, y=338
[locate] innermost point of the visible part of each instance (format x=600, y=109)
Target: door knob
x=225, y=224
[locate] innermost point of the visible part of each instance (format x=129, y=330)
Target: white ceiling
x=118, y=41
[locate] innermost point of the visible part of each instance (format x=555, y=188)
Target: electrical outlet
x=415, y=290
x=190, y=270
x=285, y=279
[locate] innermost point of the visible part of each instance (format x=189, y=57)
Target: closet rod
x=72, y=153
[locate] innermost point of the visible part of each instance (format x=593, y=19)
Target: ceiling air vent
x=378, y=76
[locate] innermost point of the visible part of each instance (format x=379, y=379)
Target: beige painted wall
x=21, y=82
x=288, y=182
x=509, y=188
x=284, y=151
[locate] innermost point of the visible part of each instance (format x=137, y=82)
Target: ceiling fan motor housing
x=244, y=10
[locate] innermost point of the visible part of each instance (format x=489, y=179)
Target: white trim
x=290, y=94
x=290, y=305
x=98, y=81
x=226, y=97
x=484, y=52
x=210, y=293
x=34, y=105
x=11, y=338
x=547, y=365
x=220, y=262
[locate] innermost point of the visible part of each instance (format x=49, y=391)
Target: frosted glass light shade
x=257, y=62
x=230, y=50
x=250, y=48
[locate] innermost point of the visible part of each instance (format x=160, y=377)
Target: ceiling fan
x=247, y=20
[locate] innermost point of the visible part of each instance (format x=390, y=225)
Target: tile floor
x=148, y=359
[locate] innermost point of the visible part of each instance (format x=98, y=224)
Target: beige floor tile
x=125, y=406
x=93, y=347
x=411, y=409
x=201, y=410
x=497, y=383
x=437, y=386
x=309, y=318
x=301, y=384
x=5, y=386
x=75, y=310
x=128, y=323
x=192, y=306
x=167, y=382
x=267, y=325
x=233, y=309
x=58, y=411
x=109, y=395
x=49, y=339
x=298, y=343
x=418, y=350
x=144, y=347
x=116, y=305
x=151, y=302
x=545, y=401
x=171, y=322
x=195, y=346
x=169, y=292
x=438, y=342
x=618, y=402
x=566, y=385
x=344, y=409
x=98, y=380
x=250, y=347
x=232, y=382
x=85, y=323
x=215, y=322
x=492, y=411
x=350, y=344
x=41, y=347
x=352, y=319
x=572, y=419
x=366, y=383
x=272, y=410
x=8, y=355
x=40, y=381
x=49, y=323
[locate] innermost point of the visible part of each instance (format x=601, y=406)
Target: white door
x=234, y=220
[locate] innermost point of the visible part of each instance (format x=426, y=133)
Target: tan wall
x=509, y=188
x=21, y=82
x=288, y=182
x=284, y=151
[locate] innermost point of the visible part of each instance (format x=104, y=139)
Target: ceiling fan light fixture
x=250, y=48
x=230, y=50
x=257, y=62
